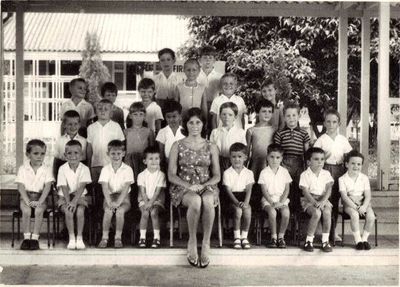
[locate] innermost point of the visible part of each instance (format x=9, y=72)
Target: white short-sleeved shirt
x=166, y=87
x=99, y=136
x=275, y=182
x=153, y=113
x=354, y=187
x=315, y=184
x=62, y=141
x=85, y=110
x=237, y=182
x=211, y=81
x=224, y=138
x=218, y=101
x=337, y=147
x=151, y=180
x=72, y=179
x=32, y=181
x=167, y=138
x=116, y=179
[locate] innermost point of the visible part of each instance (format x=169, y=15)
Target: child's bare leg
x=285, y=216
x=369, y=222
x=143, y=222
x=326, y=223
x=69, y=221
x=315, y=214
x=120, y=220
x=272, y=220
x=108, y=214
x=80, y=219
x=26, y=220
x=236, y=221
x=38, y=220
x=156, y=223
x=246, y=219
x=354, y=223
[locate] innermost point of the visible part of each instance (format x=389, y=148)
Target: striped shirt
x=292, y=141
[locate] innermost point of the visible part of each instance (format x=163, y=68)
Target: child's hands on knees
x=71, y=206
x=34, y=203
x=362, y=210
x=148, y=205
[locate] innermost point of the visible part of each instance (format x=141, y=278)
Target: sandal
x=118, y=243
x=204, y=262
x=245, y=244
x=237, y=244
x=142, y=243
x=193, y=261
x=103, y=243
x=156, y=243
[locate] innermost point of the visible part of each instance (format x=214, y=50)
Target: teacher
x=194, y=173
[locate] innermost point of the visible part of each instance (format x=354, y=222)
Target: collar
x=297, y=128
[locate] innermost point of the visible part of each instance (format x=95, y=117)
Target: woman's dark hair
x=193, y=112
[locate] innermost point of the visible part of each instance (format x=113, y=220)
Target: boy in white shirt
x=228, y=85
x=356, y=197
x=116, y=179
x=73, y=176
x=151, y=197
x=275, y=186
x=238, y=182
x=316, y=184
x=227, y=134
x=34, y=182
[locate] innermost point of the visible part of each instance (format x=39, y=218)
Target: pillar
x=342, y=71
x=19, y=83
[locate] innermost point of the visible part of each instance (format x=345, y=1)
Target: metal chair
x=345, y=216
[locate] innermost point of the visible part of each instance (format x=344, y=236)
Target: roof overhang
x=244, y=8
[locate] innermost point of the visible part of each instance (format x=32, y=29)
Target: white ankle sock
x=142, y=233
x=325, y=237
x=273, y=236
x=357, y=236
x=157, y=234
x=365, y=236
x=244, y=234
x=310, y=238
x=27, y=236
x=35, y=236
x=118, y=234
x=236, y=234
x=281, y=235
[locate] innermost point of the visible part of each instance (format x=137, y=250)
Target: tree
x=92, y=68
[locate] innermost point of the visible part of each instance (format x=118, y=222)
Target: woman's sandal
x=193, y=261
x=204, y=261
x=103, y=243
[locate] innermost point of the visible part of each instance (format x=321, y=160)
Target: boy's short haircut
x=267, y=82
x=275, y=148
x=34, y=142
x=73, y=81
x=238, y=147
x=171, y=106
x=137, y=107
x=229, y=75
x=191, y=61
x=354, y=153
x=151, y=150
x=291, y=106
x=166, y=51
x=207, y=51
x=71, y=114
x=332, y=112
x=105, y=102
x=108, y=87
x=229, y=105
x=264, y=103
x=146, y=83
x=73, y=143
x=313, y=150
x=116, y=144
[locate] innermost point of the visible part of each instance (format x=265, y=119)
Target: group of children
x=273, y=157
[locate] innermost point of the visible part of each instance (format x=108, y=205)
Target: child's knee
x=370, y=216
x=271, y=212
x=285, y=213
x=316, y=213
x=39, y=211
x=154, y=212
x=327, y=213
x=120, y=213
x=26, y=210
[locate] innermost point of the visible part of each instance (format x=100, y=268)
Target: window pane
x=28, y=69
x=70, y=68
x=42, y=68
x=119, y=65
x=130, y=76
x=119, y=80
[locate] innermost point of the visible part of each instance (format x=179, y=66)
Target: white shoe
x=80, y=244
x=71, y=244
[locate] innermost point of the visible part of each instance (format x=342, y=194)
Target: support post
x=1, y=88
x=342, y=71
x=365, y=87
x=19, y=83
x=383, y=139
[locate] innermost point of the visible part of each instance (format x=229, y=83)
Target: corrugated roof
x=65, y=32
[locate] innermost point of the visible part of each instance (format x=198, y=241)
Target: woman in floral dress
x=194, y=173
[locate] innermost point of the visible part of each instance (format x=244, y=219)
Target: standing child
x=191, y=93
x=115, y=179
x=260, y=136
x=151, y=195
x=71, y=123
x=336, y=147
x=228, y=85
x=34, y=182
x=172, y=132
x=227, y=134
x=316, y=184
x=356, y=197
x=77, y=88
x=294, y=142
x=268, y=92
x=275, y=185
x=138, y=138
x=109, y=91
x=72, y=179
x=238, y=182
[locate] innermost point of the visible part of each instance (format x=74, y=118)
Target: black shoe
x=34, y=244
x=360, y=246
x=273, y=243
x=156, y=243
x=26, y=244
x=326, y=247
x=308, y=246
x=367, y=246
x=281, y=243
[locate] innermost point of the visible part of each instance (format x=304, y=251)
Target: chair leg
x=171, y=226
x=376, y=231
x=54, y=230
x=342, y=230
x=12, y=224
x=48, y=231
x=219, y=226
x=18, y=228
x=180, y=223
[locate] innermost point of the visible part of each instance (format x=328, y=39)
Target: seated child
x=71, y=123
x=260, y=136
x=191, y=93
x=34, y=182
x=356, y=197
x=316, y=184
x=109, y=91
x=138, y=138
x=172, y=132
x=115, y=179
x=227, y=134
x=268, y=92
x=228, y=85
x=275, y=185
x=151, y=197
x=238, y=182
x=73, y=176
